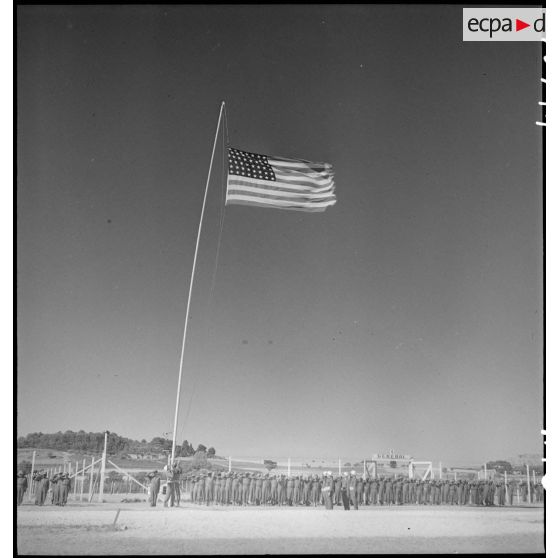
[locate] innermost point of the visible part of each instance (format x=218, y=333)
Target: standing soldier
x=360, y=490
x=55, y=489
x=352, y=489
x=252, y=489
x=290, y=491
x=345, y=491
x=396, y=491
x=459, y=492
x=452, y=493
x=474, y=493
x=510, y=490
x=173, y=486
x=327, y=490
x=381, y=491
x=388, y=490
x=281, y=486
x=337, y=491
x=21, y=484
x=259, y=490
x=315, y=491
x=42, y=490
x=405, y=491
x=245, y=489
x=154, y=487
x=235, y=489
x=373, y=492
x=192, y=489
x=266, y=490
x=306, y=488
x=65, y=484
x=228, y=489
x=297, y=492
x=201, y=489
x=208, y=489
x=273, y=495
x=223, y=488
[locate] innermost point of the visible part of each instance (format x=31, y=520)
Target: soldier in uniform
x=306, y=488
x=345, y=491
x=43, y=489
x=259, y=490
x=173, y=486
x=245, y=489
x=297, y=492
x=55, y=489
x=21, y=485
x=373, y=492
x=510, y=490
x=388, y=492
x=405, y=492
x=381, y=491
x=274, y=495
x=154, y=487
x=327, y=490
x=352, y=490
x=236, y=488
x=252, y=489
x=360, y=490
x=337, y=491
x=266, y=490
x=221, y=495
x=65, y=485
x=290, y=491
x=315, y=492
x=281, y=487
x=396, y=491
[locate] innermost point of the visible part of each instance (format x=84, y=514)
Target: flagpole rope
x=192, y=282
x=226, y=128
x=224, y=172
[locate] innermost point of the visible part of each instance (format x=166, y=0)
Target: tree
x=269, y=464
x=24, y=466
x=211, y=452
x=200, y=460
x=202, y=448
x=186, y=449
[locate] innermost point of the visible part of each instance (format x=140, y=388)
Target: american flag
x=267, y=181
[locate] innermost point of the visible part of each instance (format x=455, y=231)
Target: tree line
x=93, y=442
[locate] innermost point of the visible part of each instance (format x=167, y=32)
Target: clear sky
x=408, y=316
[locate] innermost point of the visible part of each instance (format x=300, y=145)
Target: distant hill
x=93, y=442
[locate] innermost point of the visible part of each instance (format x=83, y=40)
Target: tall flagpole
x=191, y=283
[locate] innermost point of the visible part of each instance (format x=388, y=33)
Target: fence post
x=91, y=479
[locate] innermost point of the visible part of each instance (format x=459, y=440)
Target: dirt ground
x=80, y=529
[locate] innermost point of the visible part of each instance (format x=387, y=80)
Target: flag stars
x=250, y=165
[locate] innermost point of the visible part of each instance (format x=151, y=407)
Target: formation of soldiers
x=258, y=489
x=59, y=486
x=253, y=489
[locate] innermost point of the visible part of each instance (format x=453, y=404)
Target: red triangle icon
x=519, y=25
